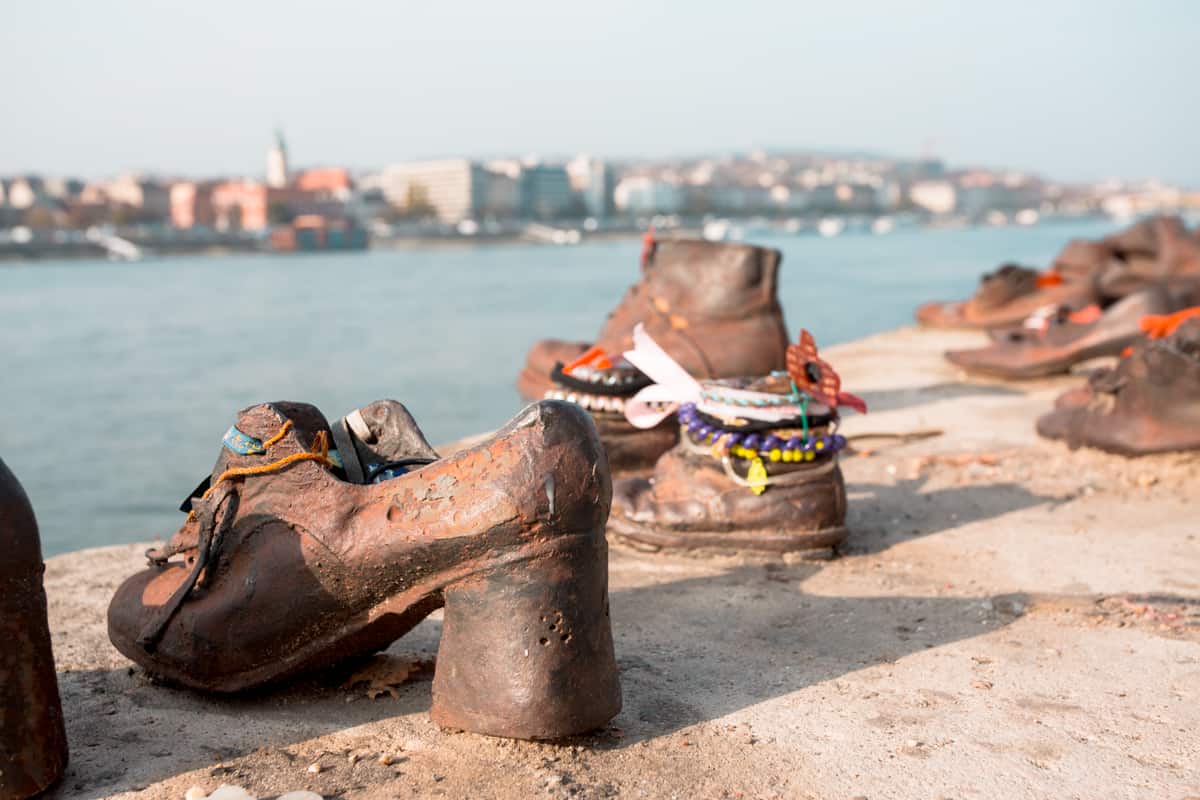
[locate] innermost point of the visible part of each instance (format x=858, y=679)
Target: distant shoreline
x=152, y=246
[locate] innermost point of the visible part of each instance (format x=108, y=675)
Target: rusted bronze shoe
x=699, y=501
x=33, y=741
x=1150, y=403
x=288, y=567
x=756, y=467
x=712, y=305
x=1007, y=296
x=1157, y=250
x=1065, y=339
x=602, y=388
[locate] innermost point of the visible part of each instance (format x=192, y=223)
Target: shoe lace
x=217, y=509
x=319, y=453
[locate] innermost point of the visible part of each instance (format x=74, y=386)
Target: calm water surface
x=117, y=381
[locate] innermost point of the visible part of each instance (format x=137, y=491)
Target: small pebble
x=301, y=796
x=224, y=792
x=315, y=767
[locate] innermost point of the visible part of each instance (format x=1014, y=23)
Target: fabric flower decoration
x=815, y=377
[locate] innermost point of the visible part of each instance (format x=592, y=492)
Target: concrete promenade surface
x=1008, y=620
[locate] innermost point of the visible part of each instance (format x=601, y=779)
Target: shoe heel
x=526, y=649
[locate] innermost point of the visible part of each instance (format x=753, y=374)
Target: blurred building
x=25, y=191
x=252, y=206
x=546, y=192
x=149, y=199
x=500, y=193
x=451, y=189
x=643, y=194
x=733, y=199
x=277, y=163
x=936, y=197
x=593, y=181
x=843, y=198
x=981, y=192
x=239, y=205
x=331, y=181
x=63, y=188
x=192, y=204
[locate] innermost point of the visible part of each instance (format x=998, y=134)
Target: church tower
x=277, y=166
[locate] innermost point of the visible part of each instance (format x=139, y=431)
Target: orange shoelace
x=1159, y=326
x=1085, y=315
x=319, y=453
x=594, y=357
x=1047, y=279
x=648, y=245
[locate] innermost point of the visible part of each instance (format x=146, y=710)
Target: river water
x=117, y=380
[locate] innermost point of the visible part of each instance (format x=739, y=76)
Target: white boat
x=831, y=226
x=722, y=230
x=882, y=225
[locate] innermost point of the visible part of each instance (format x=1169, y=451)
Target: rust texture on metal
x=713, y=306
x=33, y=741
x=1148, y=403
x=1157, y=251
x=304, y=570
x=1020, y=353
x=691, y=502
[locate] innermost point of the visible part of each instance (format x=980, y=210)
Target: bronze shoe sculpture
x=1052, y=344
x=1157, y=250
x=33, y=741
x=756, y=467
x=602, y=387
x=712, y=305
x=288, y=566
x=1007, y=296
x=1150, y=403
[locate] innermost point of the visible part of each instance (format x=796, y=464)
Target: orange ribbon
x=1159, y=326
x=594, y=358
x=1047, y=279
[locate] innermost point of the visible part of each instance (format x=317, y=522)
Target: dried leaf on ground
x=385, y=674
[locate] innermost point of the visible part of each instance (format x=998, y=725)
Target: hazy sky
x=1077, y=90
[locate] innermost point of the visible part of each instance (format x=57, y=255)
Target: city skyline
x=1074, y=92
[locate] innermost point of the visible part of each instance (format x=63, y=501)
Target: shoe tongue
x=384, y=432
x=1005, y=284
x=262, y=434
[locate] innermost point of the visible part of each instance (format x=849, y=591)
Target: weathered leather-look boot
x=1065, y=339
x=756, y=466
x=698, y=501
x=603, y=391
x=1150, y=403
x=33, y=741
x=712, y=305
x=755, y=469
x=287, y=567
x=1158, y=250
x=1006, y=297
